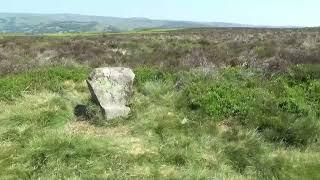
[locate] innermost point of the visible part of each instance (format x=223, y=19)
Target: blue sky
x=257, y=12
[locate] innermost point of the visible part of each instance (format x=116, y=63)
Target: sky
x=254, y=12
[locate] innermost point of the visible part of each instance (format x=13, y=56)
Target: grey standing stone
x=111, y=88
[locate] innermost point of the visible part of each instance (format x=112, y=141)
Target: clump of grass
x=13, y=86
x=144, y=75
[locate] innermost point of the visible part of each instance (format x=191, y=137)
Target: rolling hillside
x=60, y=23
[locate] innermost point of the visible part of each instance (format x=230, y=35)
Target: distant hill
x=62, y=23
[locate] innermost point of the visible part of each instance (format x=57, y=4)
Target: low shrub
x=144, y=75
x=280, y=108
x=265, y=52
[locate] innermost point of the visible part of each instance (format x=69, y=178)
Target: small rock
x=184, y=121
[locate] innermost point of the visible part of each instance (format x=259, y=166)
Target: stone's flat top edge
x=112, y=69
x=115, y=68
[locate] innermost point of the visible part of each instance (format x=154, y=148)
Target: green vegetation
x=232, y=123
x=13, y=86
x=207, y=104
x=278, y=108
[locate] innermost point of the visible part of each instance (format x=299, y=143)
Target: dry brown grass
x=85, y=128
x=176, y=49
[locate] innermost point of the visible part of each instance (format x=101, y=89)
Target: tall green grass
x=231, y=124
x=52, y=79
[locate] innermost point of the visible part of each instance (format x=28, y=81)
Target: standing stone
x=111, y=88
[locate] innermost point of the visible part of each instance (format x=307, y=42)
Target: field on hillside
x=207, y=104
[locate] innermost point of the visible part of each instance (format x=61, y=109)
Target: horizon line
x=159, y=19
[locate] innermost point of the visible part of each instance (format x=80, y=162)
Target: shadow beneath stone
x=90, y=113
x=81, y=112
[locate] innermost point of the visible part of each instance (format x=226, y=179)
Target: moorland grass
x=270, y=49
x=11, y=86
x=232, y=124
